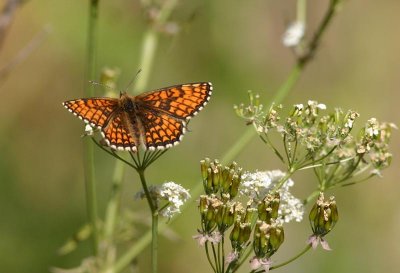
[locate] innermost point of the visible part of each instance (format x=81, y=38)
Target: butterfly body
x=153, y=120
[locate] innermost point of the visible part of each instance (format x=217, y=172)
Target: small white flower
x=174, y=193
x=299, y=106
x=349, y=123
x=313, y=103
x=293, y=34
x=258, y=184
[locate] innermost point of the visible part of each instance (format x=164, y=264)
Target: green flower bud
x=204, y=165
x=203, y=204
x=276, y=238
x=235, y=185
x=219, y=216
x=229, y=217
x=268, y=208
x=245, y=232
x=267, y=238
x=234, y=236
x=208, y=185
x=216, y=178
x=249, y=215
x=323, y=216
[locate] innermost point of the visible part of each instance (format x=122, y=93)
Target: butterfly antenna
x=133, y=80
x=101, y=84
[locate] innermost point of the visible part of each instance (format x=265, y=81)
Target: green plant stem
x=208, y=258
x=283, y=180
x=146, y=190
x=288, y=85
x=154, y=242
x=91, y=199
x=148, y=50
x=154, y=221
x=112, y=210
x=315, y=41
x=301, y=12
x=150, y=43
x=311, y=197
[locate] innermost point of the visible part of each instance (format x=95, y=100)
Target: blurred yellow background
x=237, y=46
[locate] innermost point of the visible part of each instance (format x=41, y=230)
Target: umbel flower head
x=257, y=185
x=323, y=217
x=314, y=138
x=173, y=193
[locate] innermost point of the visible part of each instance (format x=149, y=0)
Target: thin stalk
x=154, y=242
x=208, y=257
x=288, y=85
x=269, y=144
x=301, y=12
x=223, y=254
x=219, y=257
x=112, y=210
x=311, y=197
x=315, y=41
x=146, y=191
x=150, y=43
x=282, y=181
x=91, y=199
x=154, y=222
x=215, y=257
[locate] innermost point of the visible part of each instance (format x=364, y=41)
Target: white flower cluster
x=176, y=195
x=258, y=184
x=171, y=192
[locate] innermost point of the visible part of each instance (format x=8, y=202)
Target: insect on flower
x=154, y=120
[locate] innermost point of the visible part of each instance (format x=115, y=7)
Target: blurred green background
x=237, y=46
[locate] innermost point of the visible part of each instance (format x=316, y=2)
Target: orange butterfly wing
x=163, y=112
x=118, y=134
x=94, y=111
x=160, y=130
x=180, y=101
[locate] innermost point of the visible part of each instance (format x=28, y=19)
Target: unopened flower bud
x=219, y=216
x=204, y=165
x=216, y=178
x=203, y=204
x=323, y=216
x=235, y=185
x=267, y=238
x=268, y=208
x=234, y=236
x=245, y=232
x=277, y=236
x=229, y=217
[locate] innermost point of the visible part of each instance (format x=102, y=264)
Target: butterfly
x=155, y=119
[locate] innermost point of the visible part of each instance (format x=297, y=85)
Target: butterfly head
x=122, y=94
